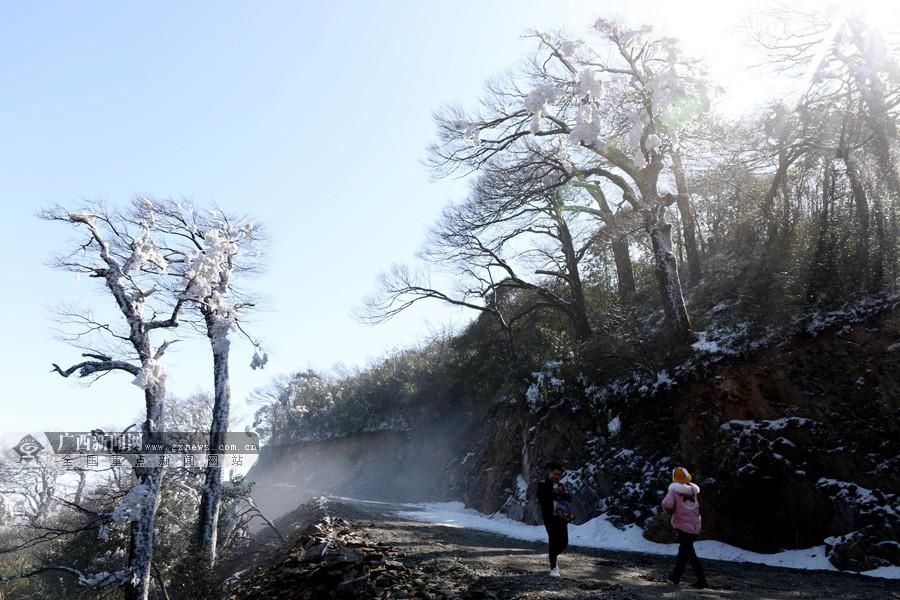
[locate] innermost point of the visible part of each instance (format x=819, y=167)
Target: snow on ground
x=599, y=533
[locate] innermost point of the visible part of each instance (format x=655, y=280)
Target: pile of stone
x=329, y=560
x=875, y=523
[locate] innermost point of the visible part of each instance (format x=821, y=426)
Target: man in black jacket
x=557, y=528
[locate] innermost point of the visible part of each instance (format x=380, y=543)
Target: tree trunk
x=822, y=269
x=688, y=226
x=494, y=309
x=211, y=498
x=512, y=355
x=787, y=231
x=877, y=274
x=624, y=270
x=699, y=231
x=769, y=202
x=580, y=319
x=862, y=210
x=143, y=536
x=619, y=244
x=889, y=173
x=667, y=278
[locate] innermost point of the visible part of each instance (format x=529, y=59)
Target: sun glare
x=883, y=15
x=724, y=38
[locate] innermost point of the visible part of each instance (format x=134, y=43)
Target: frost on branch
x=208, y=265
x=103, y=578
x=666, y=89
x=470, y=131
x=209, y=271
x=259, y=359
x=131, y=506
x=589, y=84
x=587, y=126
x=82, y=217
x=144, y=252
x=638, y=121
x=93, y=579
x=536, y=103
x=152, y=376
x=568, y=48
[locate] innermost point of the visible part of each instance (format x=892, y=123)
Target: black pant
x=558, y=533
x=686, y=554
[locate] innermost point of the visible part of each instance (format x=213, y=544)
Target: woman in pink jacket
x=682, y=504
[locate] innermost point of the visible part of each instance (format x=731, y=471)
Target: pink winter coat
x=685, y=511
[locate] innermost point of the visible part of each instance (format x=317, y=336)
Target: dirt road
x=473, y=564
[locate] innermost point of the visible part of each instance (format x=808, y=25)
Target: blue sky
x=311, y=118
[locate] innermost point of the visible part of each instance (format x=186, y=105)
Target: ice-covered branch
x=88, y=368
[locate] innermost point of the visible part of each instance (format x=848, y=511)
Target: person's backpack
x=563, y=510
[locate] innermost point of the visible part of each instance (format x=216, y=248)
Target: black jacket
x=546, y=498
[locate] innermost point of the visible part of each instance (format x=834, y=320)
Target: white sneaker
x=554, y=572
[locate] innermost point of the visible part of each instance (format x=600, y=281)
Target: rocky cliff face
x=800, y=443
x=792, y=445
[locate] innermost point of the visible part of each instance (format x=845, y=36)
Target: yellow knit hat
x=681, y=475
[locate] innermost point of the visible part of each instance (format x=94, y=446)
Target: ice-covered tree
x=117, y=248
x=619, y=101
x=479, y=289
x=207, y=250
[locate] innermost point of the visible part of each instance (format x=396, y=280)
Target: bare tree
x=523, y=211
x=400, y=288
x=515, y=221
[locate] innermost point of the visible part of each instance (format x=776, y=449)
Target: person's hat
x=681, y=475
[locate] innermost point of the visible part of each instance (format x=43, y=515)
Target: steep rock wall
x=793, y=445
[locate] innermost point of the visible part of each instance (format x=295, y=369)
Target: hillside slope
x=794, y=443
